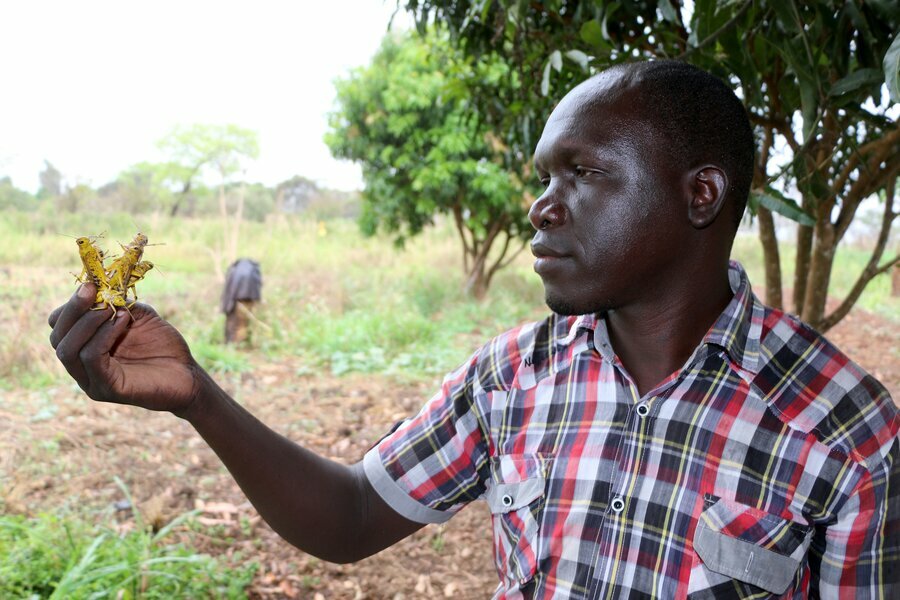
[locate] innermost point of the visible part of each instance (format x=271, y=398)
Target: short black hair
x=701, y=118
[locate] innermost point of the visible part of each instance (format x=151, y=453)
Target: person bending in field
x=661, y=434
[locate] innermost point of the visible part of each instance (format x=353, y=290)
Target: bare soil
x=59, y=450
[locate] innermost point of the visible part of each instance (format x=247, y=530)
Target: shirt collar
x=737, y=330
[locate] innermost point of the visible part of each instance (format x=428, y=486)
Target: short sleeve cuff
x=395, y=496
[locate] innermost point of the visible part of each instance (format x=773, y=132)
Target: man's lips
x=547, y=257
x=541, y=250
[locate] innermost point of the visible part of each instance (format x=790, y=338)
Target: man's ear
x=708, y=189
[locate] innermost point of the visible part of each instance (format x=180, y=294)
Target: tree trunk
x=895, y=281
x=476, y=281
x=478, y=274
x=821, y=262
x=771, y=258
x=801, y=266
x=185, y=189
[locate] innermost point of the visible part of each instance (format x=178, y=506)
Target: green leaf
x=854, y=81
x=556, y=60
x=808, y=108
x=545, y=80
x=892, y=69
x=592, y=33
x=578, y=57
x=667, y=10
x=784, y=206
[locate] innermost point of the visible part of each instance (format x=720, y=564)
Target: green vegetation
x=406, y=120
x=65, y=557
x=819, y=80
x=331, y=299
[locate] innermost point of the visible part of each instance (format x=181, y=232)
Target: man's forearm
x=321, y=506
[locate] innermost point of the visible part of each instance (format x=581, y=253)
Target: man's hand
x=144, y=362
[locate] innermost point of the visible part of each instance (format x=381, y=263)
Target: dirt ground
x=59, y=449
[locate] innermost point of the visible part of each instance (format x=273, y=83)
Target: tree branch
x=853, y=160
x=460, y=228
x=863, y=188
x=715, y=34
x=872, y=268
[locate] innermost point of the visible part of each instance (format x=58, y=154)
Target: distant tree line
x=201, y=176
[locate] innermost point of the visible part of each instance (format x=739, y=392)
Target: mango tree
x=819, y=80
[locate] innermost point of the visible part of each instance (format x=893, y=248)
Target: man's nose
x=546, y=212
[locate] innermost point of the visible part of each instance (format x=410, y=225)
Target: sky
x=91, y=86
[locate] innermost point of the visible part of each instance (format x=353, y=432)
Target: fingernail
x=83, y=292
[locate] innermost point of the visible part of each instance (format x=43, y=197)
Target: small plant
x=55, y=557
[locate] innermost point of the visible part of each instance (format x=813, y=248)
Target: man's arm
x=321, y=506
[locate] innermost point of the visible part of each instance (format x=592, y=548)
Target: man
x=661, y=434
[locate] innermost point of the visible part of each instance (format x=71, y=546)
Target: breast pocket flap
x=744, y=561
x=748, y=545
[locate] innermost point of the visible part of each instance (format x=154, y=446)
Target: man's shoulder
x=532, y=347
x=816, y=388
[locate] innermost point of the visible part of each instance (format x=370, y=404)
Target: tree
x=197, y=150
x=140, y=188
x=12, y=197
x=405, y=118
x=51, y=182
x=294, y=194
x=812, y=76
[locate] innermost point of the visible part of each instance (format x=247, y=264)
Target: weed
x=62, y=556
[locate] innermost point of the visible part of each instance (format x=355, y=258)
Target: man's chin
x=568, y=306
x=565, y=307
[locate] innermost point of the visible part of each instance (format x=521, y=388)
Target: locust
x=137, y=273
x=116, y=280
x=92, y=262
x=120, y=270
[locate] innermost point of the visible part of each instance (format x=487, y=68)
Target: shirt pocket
x=745, y=552
x=515, y=496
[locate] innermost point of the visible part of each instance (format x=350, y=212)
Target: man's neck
x=654, y=339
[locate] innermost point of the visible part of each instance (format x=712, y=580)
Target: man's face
x=609, y=222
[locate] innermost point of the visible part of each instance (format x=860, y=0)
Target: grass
x=336, y=301
x=64, y=556
x=333, y=299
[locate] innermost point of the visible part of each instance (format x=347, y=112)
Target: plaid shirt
x=766, y=467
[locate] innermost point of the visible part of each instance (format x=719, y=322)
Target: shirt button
x=507, y=500
x=617, y=505
x=643, y=409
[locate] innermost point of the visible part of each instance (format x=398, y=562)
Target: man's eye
x=581, y=171
x=545, y=181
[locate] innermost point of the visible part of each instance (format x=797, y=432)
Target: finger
x=94, y=356
x=62, y=319
x=69, y=347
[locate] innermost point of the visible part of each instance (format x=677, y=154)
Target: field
x=353, y=334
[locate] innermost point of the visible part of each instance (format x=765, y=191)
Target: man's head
x=647, y=169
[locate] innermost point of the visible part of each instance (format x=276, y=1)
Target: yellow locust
x=114, y=281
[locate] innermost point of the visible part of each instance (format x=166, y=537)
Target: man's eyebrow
x=576, y=153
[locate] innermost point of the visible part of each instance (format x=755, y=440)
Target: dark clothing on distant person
x=243, y=288
x=243, y=281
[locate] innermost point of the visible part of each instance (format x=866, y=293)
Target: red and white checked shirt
x=766, y=467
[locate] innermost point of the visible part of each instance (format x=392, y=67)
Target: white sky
x=92, y=85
